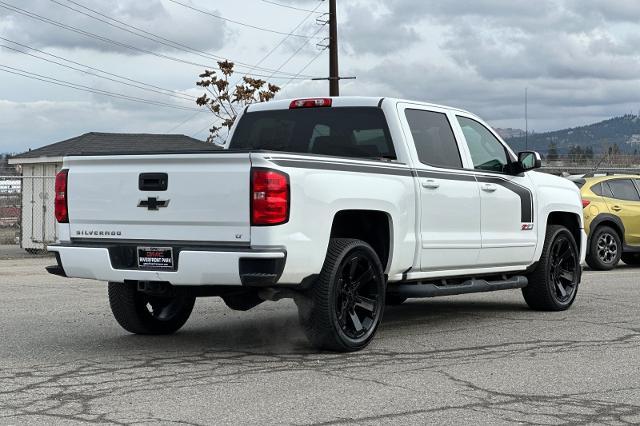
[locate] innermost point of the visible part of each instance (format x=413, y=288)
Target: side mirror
x=529, y=160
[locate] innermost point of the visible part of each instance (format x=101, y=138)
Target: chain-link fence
x=27, y=211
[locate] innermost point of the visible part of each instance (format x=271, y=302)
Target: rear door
x=449, y=197
x=624, y=202
x=184, y=197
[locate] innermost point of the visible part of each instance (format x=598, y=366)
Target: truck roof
x=345, y=101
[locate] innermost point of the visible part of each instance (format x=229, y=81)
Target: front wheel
x=553, y=285
x=140, y=313
x=344, y=307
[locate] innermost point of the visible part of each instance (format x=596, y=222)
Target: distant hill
x=509, y=133
x=623, y=132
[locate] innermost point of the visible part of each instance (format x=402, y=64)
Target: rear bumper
x=197, y=266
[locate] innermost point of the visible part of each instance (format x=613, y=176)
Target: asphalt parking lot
x=467, y=359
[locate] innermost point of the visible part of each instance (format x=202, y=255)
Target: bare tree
x=224, y=101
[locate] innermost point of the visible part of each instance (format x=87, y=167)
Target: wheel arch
x=607, y=219
x=374, y=227
x=569, y=220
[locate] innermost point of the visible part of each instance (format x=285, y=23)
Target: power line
x=311, y=12
x=108, y=40
x=152, y=36
x=201, y=130
x=297, y=51
x=286, y=37
x=285, y=85
x=206, y=12
x=80, y=87
x=189, y=118
x=92, y=68
x=287, y=6
x=304, y=68
x=162, y=92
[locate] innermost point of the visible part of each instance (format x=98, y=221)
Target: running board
x=470, y=286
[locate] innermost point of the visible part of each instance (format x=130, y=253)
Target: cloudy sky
x=579, y=59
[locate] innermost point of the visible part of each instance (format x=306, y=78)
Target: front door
x=506, y=202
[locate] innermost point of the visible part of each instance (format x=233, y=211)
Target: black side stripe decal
x=526, y=198
x=446, y=176
x=319, y=165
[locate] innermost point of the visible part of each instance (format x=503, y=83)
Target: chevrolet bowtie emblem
x=152, y=203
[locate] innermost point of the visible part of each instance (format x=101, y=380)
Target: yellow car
x=611, y=219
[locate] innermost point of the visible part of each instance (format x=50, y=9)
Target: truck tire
x=394, y=300
x=140, y=313
x=342, y=310
x=553, y=285
x=242, y=301
x=605, y=249
x=631, y=259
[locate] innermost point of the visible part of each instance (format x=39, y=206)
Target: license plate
x=155, y=257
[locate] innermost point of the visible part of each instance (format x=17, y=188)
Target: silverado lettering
x=99, y=233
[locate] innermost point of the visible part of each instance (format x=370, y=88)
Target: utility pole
x=526, y=120
x=334, y=75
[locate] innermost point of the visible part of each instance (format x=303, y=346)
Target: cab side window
x=433, y=137
x=487, y=152
x=624, y=189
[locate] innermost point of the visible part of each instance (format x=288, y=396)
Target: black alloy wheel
x=553, y=284
x=564, y=268
x=344, y=306
x=357, y=300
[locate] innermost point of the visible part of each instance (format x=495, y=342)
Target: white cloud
x=577, y=57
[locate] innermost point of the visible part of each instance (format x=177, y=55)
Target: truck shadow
x=278, y=332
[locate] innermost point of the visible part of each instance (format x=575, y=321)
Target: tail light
x=269, y=197
x=310, y=103
x=585, y=203
x=61, y=210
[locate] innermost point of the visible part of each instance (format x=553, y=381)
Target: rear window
x=433, y=138
x=345, y=132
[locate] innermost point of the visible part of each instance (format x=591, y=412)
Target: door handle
x=488, y=187
x=616, y=208
x=430, y=183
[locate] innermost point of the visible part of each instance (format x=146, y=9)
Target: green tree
x=588, y=153
x=552, y=151
x=576, y=154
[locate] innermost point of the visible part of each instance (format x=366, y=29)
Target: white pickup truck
x=344, y=204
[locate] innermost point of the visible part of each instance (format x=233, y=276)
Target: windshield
x=344, y=132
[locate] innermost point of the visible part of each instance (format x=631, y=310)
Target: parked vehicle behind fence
x=343, y=204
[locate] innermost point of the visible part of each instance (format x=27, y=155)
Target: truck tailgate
x=123, y=197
